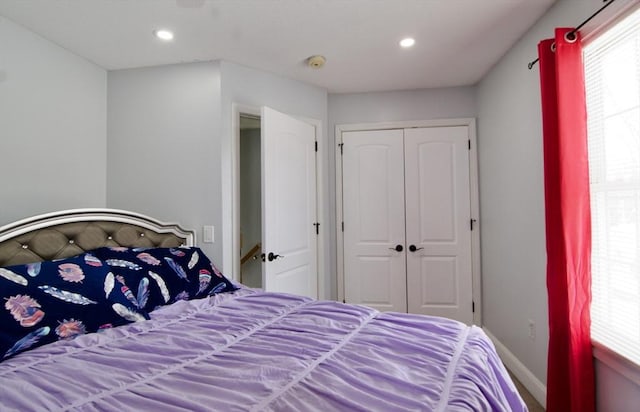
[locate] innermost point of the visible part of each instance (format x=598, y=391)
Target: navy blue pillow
x=161, y=276
x=58, y=300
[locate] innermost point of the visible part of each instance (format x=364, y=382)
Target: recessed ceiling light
x=165, y=35
x=408, y=42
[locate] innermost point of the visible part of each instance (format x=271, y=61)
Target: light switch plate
x=208, y=234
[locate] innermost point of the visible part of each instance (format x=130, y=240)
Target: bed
x=211, y=348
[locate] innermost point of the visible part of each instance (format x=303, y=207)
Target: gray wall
x=615, y=393
x=170, y=134
x=52, y=127
x=423, y=104
x=512, y=202
x=428, y=104
x=164, y=145
x=250, y=87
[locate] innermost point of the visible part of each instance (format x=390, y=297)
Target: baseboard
x=537, y=389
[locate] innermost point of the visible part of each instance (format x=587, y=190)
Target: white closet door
x=439, y=271
x=373, y=210
x=289, y=205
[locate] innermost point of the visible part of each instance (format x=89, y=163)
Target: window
x=612, y=75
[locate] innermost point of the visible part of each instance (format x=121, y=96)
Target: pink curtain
x=570, y=376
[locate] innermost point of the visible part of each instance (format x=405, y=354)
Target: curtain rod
x=571, y=34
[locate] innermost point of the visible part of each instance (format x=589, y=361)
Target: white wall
x=428, y=104
x=250, y=87
x=512, y=198
x=164, y=145
x=52, y=127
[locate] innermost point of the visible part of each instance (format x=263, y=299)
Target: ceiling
x=457, y=41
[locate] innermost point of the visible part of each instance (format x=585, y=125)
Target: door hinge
x=469, y=143
x=473, y=306
x=471, y=222
x=316, y=145
x=317, y=225
x=343, y=226
x=340, y=145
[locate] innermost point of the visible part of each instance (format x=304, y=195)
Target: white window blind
x=612, y=74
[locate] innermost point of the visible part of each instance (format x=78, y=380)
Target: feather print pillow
x=160, y=276
x=59, y=300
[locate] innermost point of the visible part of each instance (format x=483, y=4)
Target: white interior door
x=289, y=205
x=439, y=270
x=374, y=220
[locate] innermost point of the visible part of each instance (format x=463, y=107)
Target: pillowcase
x=161, y=276
x=59, y=300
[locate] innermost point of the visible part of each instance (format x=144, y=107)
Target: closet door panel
x=374, y=219
x=439, y=279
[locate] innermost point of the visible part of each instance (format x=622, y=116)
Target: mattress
x=256, y=351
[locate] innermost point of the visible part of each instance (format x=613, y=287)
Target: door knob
x=398, y=248
x=413, y=248
x=271, y=257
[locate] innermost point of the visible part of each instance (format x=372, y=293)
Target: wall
x=426, y=104
x=170, y=138
x=614, y=392
x=164, y=145
x=458, y=102
x=52, y=127
x=512, y=201
x=250, y=87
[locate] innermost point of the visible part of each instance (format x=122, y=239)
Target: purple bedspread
x=265, y=351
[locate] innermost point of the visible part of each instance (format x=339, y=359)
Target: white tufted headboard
x=67, y=233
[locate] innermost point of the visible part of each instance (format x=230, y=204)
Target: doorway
x=275, y=225
x=250, y=201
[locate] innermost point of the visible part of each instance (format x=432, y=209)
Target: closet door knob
x=398, y=248
x=413, y=248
